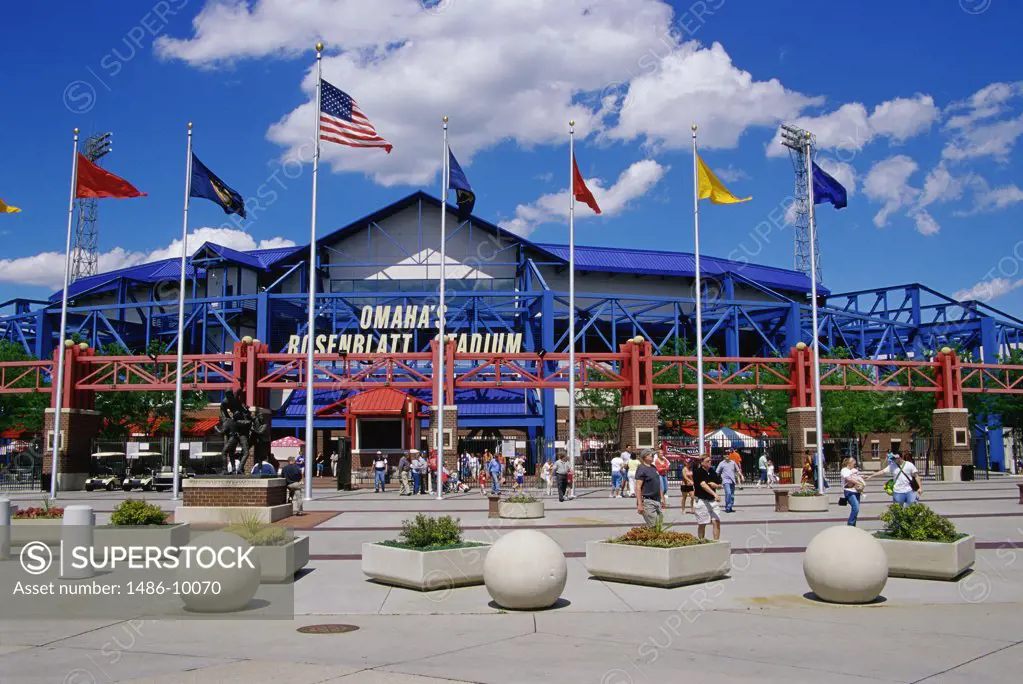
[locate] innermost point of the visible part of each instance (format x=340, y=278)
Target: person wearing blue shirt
x=494, y=468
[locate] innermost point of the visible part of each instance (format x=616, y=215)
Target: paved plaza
x=759, y=624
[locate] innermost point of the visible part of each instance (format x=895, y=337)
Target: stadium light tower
x=85, y=253
x=801, y=144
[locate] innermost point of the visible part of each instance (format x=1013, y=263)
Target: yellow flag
x=713, y=189
x=7, y=208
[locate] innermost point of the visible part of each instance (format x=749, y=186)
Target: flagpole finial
x=76, y=131
x=693, y=127
x=444, y=119
x=319, y=47
x=189, y=125
x=572, y=123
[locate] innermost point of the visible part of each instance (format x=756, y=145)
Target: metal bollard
x=77, y=531
x=5, y=529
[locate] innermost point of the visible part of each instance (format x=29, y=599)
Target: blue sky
x=915, y=107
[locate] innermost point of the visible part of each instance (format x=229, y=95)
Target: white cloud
x=903, y=118
x=730, y=174
x=987, y=290
x=46, y=269
x=940, y=186
x=487, y=63
x=888, y=182
x=987, y=199
x=634, y=182
x=987, y=140
x=978, y=124
x=700, y=85
x=925, y=223
x=849, y=128
x=986, y=103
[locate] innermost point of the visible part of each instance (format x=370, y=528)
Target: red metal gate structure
x=634, y=371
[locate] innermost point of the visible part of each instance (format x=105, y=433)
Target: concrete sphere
x=525, y=570
x=844, y=564
x=237, y=584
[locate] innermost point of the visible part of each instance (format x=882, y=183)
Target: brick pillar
x=451, y=429
x=951, y=429
x=800, y=420
x=562, y=423
x=78, y=427
x=637, y=425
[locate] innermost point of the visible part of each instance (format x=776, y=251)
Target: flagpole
x=59, y=399
x=442, y=314
x=310, y=327
x=813, y=309
x=571, y=302
x=181, y=321
x=699, y=295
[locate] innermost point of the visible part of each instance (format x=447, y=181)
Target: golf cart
x=142, y=471
x=107, y=471
x=164, y=479
x=208, y=463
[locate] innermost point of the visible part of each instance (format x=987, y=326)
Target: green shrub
x=137, y=512
x=917, y=522
x=521, y=498
x=256, y=532
x=425, y=532
x=805, y=491
x=657, y=537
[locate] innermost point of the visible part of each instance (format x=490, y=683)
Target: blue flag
x=207, y=185
x=827, y=189
x=460, y=184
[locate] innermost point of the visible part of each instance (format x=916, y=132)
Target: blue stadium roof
x=654, y=262
x=152, y=272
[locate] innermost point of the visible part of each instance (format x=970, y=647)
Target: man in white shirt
x=626, y=457
x=617, y=473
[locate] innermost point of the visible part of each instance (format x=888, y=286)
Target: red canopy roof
x=382, y=400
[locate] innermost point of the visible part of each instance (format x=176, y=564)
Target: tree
x=146, y=412
x=601, y=420
x=22, y=411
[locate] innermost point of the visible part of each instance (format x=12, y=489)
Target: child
x=546, y=477
x=772, y=479
x=520, y=473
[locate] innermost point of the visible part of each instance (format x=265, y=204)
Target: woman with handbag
x=904, y=486
x=853, y=484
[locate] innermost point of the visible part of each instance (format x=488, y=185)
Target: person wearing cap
x=706, y=482
x=418, y=464
x=379, y=472
x=404, y=475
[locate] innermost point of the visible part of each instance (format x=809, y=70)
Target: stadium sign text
x=396, y=320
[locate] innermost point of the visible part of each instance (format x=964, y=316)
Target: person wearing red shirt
x=661, y=465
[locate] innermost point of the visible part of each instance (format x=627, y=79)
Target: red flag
x=582, y=193
x=95, y=182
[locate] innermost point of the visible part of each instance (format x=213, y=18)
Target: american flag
x=342, y=121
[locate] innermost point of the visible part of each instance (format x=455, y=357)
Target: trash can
x=784, y=474
x=966, y=474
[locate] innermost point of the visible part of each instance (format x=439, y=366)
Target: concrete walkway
x=756, y=625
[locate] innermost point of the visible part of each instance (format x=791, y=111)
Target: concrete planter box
x=280, y=563
x=658, y=567
x=808, y=504
x=424, y=570
x=929, y=560
x=175, y=535
x=520, y=510
x=46, y=531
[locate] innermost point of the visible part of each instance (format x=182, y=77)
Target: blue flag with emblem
x=207, y=185
x=827, y=189
x=460, y=184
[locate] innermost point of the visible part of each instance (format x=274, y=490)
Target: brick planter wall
x=243, y=492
